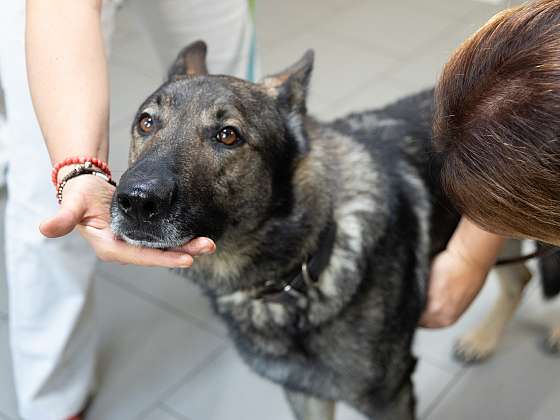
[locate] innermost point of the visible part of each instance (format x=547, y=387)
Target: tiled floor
x=163, y=356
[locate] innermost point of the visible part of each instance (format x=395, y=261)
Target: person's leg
x=225, y=25
x=3, y=151
x=52, y=331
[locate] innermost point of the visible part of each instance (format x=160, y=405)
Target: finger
x=110, y=249
x=129, y=254
x=198, y=246
x=68, y=216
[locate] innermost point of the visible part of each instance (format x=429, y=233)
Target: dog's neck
x=281, y=245
x=304, y=278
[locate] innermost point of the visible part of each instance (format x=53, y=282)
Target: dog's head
x=211, y=154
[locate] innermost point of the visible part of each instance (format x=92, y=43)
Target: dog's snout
x=146, y=201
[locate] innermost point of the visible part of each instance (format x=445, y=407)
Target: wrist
x=79, y=170
x=64, y=167
x=476, y=247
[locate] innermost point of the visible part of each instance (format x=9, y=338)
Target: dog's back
x=403, y=130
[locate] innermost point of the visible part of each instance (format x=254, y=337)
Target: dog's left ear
x=290, y=86
x=191, y=61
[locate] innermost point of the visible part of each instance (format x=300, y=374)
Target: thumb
x=71, y=213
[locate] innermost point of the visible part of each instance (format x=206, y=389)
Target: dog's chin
x=153, y=243
x=149, y=240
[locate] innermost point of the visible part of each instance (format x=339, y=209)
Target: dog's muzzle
x=145, y=206
x=146, y=201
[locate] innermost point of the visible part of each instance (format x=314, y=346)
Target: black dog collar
x=305, y=277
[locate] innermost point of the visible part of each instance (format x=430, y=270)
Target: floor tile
x=227, y=389
x=430, y=383
x=168, y=290
x=443, y=8
x=397, y=29
x=244, y=395
x=278, y=21
x=7, y=394
x=161, y=414
x=423, y=69
x=373, y=95
x=339, y=68
x=519, y=384
x=144, y=352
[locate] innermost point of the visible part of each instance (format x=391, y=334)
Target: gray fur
x=265, y=203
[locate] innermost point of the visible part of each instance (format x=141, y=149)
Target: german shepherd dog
x=324, y=231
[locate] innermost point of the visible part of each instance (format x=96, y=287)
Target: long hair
x=497, y=123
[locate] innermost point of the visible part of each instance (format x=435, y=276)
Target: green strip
x=252, y=4
x=253, y=47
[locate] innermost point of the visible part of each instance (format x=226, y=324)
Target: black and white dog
x=324, y=232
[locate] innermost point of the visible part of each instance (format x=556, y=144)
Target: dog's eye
x=146, y=123
x=227, y=136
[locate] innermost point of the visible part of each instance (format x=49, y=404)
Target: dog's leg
x=306, y=407
x=552, y=341
x=481, y=342
x=549, y=268
x=403, y=406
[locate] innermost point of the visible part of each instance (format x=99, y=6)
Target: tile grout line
x=400, y=57
x=387, y=73
x=445, y=366
x=454, y=381
x=348, y=96
x=193, y=372
x=164, y=306
x=308, y=28
x=171, y=411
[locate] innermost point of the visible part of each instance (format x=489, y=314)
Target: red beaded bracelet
x=79, y=160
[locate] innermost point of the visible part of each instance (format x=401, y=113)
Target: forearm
x=475, y=245
x=68, y=79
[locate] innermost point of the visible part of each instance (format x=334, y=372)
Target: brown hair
x=497, y=123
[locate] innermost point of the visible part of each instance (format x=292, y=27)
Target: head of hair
x=497, y=123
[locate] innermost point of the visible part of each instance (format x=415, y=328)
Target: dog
x=324, y=231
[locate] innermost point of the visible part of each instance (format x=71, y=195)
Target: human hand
x=86, y=204
x=454, y=283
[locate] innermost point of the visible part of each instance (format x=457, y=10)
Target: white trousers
x=51, y=317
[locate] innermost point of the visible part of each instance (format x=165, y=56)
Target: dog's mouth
x=150, y=240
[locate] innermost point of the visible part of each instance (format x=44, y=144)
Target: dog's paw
x=474, y=348
x=551, y=343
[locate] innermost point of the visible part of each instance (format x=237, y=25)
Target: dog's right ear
x=290, y=86
x=191, y=61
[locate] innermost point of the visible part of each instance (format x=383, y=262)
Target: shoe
x=81, y=414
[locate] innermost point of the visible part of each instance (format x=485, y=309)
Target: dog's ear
x=290, y=86
x=191, y=61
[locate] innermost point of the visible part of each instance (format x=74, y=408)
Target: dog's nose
x=146, y=201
